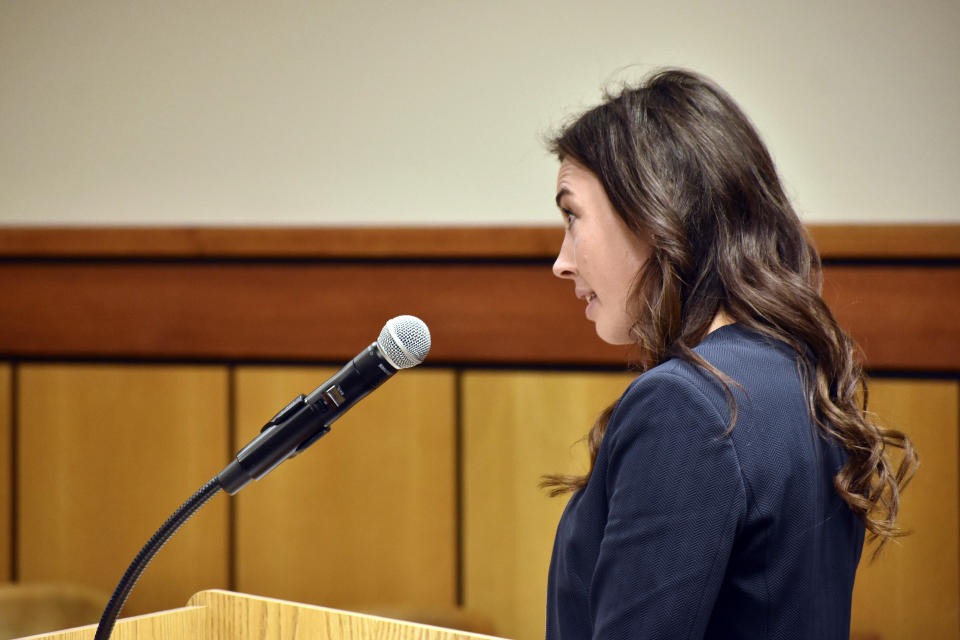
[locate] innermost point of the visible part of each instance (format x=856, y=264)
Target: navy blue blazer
x=684, y=532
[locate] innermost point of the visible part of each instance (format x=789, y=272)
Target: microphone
x=404, y=342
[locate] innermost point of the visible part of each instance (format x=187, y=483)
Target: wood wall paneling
x=282, y=242
x=296, y=311
x=95, y=292
x=913, y=589
x=883, y=241
x=901, y=315
x=106, y=454
x=364, y=518
x=6, y=462
x=887, y=241
x=488, y=297
x=518, y=426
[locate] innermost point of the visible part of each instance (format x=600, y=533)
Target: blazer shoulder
x=674, y=395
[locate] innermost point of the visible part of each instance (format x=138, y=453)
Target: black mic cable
x=404, y=342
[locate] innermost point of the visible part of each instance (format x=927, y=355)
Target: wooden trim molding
x=891, y=241
x=323, y=243
x=842, y=241
x=487, y=294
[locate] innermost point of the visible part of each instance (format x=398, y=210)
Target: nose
x=565, y=264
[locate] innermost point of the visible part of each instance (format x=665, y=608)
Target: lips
x=590, y=300
x=588, y=296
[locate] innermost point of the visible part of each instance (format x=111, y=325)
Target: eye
x=568, y=217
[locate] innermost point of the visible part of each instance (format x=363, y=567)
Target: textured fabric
x=684, y=532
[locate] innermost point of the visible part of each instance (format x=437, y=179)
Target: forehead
x=571, y=175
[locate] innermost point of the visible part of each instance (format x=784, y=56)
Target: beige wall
x=302, y=112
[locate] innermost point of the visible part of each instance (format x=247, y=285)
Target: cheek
x=619, y=276
x=636, y=257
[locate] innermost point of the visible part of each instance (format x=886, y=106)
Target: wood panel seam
x=14, y=471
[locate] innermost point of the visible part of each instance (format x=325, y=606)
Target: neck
x=720, y=320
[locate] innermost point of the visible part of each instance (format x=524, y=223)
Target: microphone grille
x=404, y=341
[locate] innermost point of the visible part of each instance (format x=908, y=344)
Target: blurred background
x=206, y=207
x=306, y=113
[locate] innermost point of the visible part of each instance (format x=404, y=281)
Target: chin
x=613, y=336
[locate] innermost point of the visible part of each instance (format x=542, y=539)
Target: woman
x=731, y=484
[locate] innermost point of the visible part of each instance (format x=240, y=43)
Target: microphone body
x=403, y=343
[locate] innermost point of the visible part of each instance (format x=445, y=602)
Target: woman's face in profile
x=599, y=253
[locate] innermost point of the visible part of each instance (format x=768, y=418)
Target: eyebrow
x=563, y=192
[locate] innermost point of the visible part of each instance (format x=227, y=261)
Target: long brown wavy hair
x=684, y=167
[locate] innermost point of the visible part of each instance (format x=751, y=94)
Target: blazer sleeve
x=675, y=499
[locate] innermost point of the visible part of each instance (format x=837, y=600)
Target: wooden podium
x=223, y=615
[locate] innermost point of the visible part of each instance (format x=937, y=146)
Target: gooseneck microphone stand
x=403, y=343
x=149, y=550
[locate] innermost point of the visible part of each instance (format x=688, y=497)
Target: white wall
x=296, y=112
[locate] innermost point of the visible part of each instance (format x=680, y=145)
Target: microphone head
x=404, y=341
